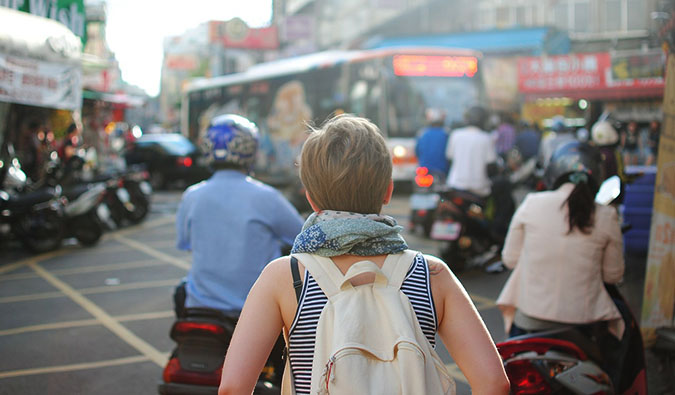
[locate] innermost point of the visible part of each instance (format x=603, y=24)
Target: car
x=170, y=158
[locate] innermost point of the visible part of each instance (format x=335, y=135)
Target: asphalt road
x=96, y=320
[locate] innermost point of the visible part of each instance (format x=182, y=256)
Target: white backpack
x=368, y=339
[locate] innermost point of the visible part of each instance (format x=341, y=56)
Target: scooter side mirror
x=609, y=191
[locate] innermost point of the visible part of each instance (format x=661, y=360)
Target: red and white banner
x=581, y=75
x=39, y=83
x=236, y=34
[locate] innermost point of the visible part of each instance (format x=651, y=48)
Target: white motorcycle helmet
x=603, y=133
x=434, y=116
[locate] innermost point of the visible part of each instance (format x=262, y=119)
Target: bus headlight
x=399, y=151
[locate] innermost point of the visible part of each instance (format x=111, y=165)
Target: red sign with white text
x=580, y=75
x=235, y=34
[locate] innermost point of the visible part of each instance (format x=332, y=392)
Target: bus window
x=406, y=110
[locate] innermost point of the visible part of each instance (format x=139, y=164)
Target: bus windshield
x=410, y=96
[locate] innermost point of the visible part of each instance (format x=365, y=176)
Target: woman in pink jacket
x=562, y=247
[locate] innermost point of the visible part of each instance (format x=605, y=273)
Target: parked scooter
x=582, y=359
x=35, y=218
x=84, y=214
x=127, y=196
x=136, y=182
x=202, y=336
x=424, y=199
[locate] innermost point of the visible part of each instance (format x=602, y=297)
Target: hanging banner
x=71, y=13
x=658, y=307
x=39, y=83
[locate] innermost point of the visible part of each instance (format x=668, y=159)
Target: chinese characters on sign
x=576, y=73
x=39, y=83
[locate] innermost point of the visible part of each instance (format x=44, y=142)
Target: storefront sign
x=236, y=34
x=69, y=12
x=658, y=307
x=642, y=65
x=582, y=75
x=39, y=83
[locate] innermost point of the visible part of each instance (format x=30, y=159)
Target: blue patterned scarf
x=331, y=233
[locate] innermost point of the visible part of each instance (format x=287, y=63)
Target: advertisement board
x=39, y=83
x=586, y=75
x=236, y=34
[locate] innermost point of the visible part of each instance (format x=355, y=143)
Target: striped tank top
x=312, y=300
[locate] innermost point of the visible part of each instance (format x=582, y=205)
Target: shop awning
x=531, y=41
x=39, y=62
x=114, y=98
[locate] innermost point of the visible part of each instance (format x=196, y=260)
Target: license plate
x=145, y=187
x=123, y=195
x=424, y=201
x=446, y=230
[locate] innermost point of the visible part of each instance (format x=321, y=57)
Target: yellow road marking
x=90, y=322
x=25, y=298
x=153, y=252
x=455, y=372
x=87, y=269
x=92, y=290
x=46, y=327
x=76, y=366
x=129, y=286
x=482, y=301
x=146, y=316
x=36, y=258
x=106, y=320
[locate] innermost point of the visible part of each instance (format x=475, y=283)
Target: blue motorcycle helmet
x=231, y=141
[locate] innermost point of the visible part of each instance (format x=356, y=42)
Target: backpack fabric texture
x=368, y=339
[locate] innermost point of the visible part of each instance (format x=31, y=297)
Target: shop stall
x=40, y=79
x=581, y=86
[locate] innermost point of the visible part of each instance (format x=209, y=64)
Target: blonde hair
x=345, y=165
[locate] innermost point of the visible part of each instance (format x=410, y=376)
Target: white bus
x=392, y=87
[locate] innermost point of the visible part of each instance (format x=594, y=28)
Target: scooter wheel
x=41, y=232
x=88, y=230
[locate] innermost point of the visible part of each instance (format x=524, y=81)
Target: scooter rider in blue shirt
x=233, y=224
x=430, y=145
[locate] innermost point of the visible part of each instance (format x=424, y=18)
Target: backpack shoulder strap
x=396, y=267
x=297, y=283
x=324, y=271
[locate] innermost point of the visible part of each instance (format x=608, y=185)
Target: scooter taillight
x=540, y=345
x=422, y=177
x=204, y=327
x=526, y=379
x=174, y=373
x=184, y=161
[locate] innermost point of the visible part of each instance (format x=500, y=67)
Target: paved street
x=96, y=320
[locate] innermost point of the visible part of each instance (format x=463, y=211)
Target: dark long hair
x=581, y=205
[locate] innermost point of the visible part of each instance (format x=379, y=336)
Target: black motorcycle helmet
x=477, y=116
x=574, y=157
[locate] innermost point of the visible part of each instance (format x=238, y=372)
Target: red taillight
x=185, y=161
x=526, y=379
x=540, y=345
x=186, y=327
x=423, y=178
x=174, y=373
x=458, y=201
